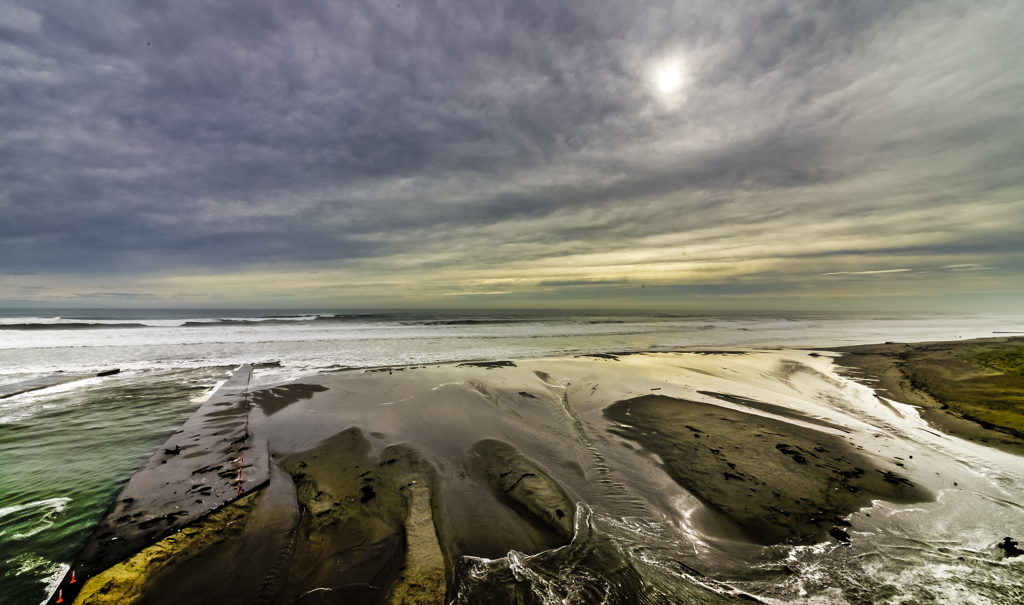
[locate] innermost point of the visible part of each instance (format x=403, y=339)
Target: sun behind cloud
x=669, y=78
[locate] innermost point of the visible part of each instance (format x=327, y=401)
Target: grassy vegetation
x=993, y=401
x=1009, y=361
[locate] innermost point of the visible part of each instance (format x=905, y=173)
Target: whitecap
x=50, y=507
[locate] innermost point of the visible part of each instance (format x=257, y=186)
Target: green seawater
x=63, y=464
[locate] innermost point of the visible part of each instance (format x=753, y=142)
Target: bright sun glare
x=669, y=79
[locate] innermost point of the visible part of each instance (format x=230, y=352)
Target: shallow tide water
x=67, y=449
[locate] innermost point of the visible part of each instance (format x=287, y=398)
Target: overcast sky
x=544, y=153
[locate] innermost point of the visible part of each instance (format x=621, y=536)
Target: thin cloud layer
x=510, y=153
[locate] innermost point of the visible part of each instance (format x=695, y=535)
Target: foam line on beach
x=48, y=384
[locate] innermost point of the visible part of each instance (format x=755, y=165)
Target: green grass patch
x=1005, y=361
x=997, y=401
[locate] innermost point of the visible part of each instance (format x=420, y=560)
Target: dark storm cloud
x=207, y=136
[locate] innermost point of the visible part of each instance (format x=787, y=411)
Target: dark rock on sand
x=1009, y=547
x=839, y=535
x=600, y=356
x=487, y=364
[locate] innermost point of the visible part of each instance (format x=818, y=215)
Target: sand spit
x=970, y=388
x=615, y=478
x=423, y=574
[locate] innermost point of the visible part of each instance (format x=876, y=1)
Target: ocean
x=69, y=440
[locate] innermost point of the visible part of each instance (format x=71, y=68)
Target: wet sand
x=778, y=482
x=971, y=388
x=456, y=482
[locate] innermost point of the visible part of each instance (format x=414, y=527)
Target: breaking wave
x=609, y=561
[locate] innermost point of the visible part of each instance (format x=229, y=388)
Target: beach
x=661, y=477
x=306, y=456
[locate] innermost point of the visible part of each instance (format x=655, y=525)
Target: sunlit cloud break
x=868, y=272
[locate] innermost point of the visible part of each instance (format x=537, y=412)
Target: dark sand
x=359, y=511
x=521, y=483
x=973, y=389
x=777, y=481
x=459, y=482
